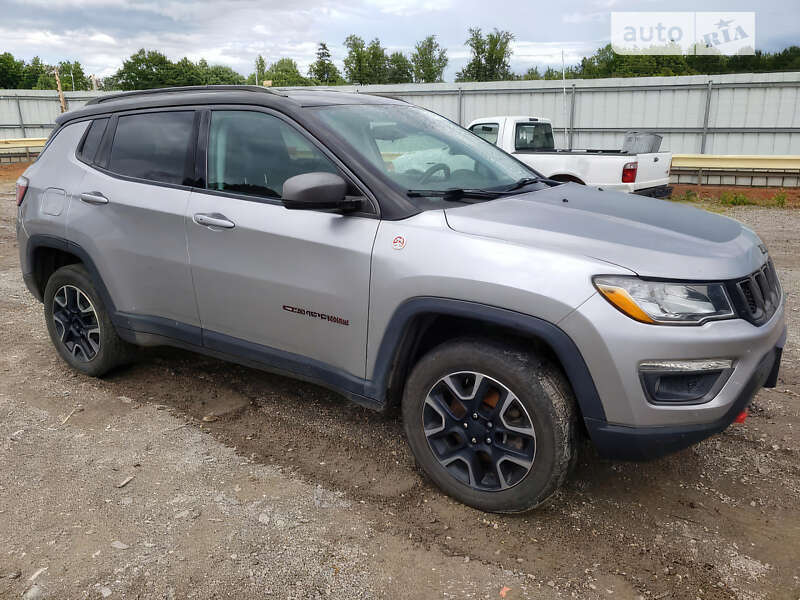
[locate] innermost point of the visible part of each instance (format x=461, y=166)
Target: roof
x=516, y=118
x=221, y=94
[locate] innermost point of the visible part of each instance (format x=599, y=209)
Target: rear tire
x=507, y=415
x=79, y=324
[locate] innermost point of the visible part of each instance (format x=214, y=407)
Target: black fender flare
x=561, y=344
x=38, y=241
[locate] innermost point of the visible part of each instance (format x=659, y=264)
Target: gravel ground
x=288, y=491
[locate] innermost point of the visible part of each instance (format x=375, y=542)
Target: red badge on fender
x=399, y=242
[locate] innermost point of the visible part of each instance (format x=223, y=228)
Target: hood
x=653, y=238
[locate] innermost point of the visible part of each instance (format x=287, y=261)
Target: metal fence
x=750, y=113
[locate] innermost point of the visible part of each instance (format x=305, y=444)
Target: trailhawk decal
x=317, y=315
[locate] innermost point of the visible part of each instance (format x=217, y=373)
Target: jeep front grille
x=757, y=297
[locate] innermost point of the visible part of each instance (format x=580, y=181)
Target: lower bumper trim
x=619, y=442
x=659, y=191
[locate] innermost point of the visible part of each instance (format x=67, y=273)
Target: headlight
x=665, y=302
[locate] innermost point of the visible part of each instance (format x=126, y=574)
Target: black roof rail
x=188, y=88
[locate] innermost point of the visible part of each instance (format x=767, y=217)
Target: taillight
x=629, y=172
x=22, y=187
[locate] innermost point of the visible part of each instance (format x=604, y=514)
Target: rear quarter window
x=154, y=146
x=487, y=131
x=91, y=141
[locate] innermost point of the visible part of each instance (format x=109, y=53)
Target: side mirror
x=316, y=191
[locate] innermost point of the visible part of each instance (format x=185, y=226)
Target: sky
x=101, y=33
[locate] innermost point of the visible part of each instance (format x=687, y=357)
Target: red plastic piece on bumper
x=740, y=418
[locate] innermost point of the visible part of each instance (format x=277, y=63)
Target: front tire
x=79, y=324
x=493, y=426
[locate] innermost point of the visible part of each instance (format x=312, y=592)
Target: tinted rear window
x=92, y=140
x=534, y=136
x=153, y=146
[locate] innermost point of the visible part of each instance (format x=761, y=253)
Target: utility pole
x=71, y=74
x=564, y=82
x=60, y=91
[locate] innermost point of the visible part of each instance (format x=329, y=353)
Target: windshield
x=419, y=150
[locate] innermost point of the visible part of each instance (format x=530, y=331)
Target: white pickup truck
x=530, y=140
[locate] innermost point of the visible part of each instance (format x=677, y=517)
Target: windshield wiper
x=455, y=194
x=521, y=183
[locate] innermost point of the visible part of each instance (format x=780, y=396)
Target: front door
x=293, y=284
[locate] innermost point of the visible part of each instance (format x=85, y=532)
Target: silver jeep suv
x=380, y=250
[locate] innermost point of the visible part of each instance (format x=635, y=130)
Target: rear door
x=129, y=216
x=276, y=284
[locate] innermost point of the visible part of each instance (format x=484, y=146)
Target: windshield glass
x=420, y=150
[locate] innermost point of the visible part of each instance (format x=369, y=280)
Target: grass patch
x=779, y=200
x=711, y=200
x=734, y=199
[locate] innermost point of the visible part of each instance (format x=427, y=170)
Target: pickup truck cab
x=530, y=139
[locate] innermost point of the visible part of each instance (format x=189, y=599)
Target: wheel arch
x=567, y=177
x=421, y=323
x=46, y=254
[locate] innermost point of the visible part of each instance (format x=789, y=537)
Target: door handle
x=213, y=220
x=94, y=198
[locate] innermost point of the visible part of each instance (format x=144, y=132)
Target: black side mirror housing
x=317, y=191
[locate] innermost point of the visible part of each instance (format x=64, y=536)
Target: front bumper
x=613, y=346
x=642, y=443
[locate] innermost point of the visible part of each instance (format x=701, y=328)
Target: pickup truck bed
x=530, y=140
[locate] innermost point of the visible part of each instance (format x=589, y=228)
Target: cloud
x=585, y=17
x=549, y=53
x=407, y=8
x=102, y=33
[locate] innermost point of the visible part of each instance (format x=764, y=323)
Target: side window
x=487, y=131
x=91, y=141
x=534, y=136
x=155, y=146
x=254, y=153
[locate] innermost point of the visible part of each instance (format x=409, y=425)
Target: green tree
x=400, y=69
x=10, y=71
x=323, y=69
x=356, y=65
x=32, y=71
x=185, y=72
x=429, y=60
x=144, y=70
x=261, y=70
x=284, y=72
x=531, y=74
x=219, y=75
x=72, y=76
x=490, y=56
x=46, y=81
x=377, y=62
x=148, y=69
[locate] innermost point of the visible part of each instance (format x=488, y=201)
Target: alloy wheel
x=77, y=325
x=479, y=431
